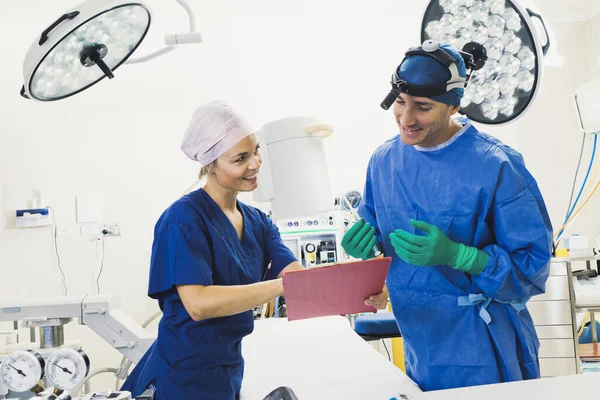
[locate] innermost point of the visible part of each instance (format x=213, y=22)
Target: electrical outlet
x=91, y=229
x=111, y=229
x=67, y=231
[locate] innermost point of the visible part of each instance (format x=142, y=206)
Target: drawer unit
x=558, y=268
x=550, y=312
x=557, y=348
x=554, y=332
x=557, y=367
x=557, y=288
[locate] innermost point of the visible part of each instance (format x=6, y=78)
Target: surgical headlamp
x=473, y=54
x=507, y=84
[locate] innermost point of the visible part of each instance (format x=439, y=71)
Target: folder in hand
x=334, y=290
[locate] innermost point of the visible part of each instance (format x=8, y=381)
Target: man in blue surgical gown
x=468, y=231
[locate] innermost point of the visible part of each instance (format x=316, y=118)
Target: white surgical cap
x=215, y=128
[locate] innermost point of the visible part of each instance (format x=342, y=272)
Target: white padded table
x=319, y=358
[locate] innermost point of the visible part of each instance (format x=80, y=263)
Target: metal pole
x=573, y=316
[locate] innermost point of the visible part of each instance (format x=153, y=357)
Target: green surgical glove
x=437, y=249
x=359, y=240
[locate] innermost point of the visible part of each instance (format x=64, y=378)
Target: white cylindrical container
x=294, y=175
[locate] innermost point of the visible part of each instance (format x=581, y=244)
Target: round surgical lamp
x=506, y=86
x=82, y=47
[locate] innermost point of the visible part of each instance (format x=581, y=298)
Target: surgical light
x=507, y=84
x=87, y=44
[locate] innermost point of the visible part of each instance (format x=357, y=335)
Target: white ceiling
x=564, y=10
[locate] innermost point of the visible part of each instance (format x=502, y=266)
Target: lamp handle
x=23, y=93
x=321, y=130
x=64, y=17
x=538, y=16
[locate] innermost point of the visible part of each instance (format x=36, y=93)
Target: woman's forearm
x=203, y=302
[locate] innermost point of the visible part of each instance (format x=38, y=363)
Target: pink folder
x=334, y=290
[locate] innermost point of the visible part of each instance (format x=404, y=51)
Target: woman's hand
x=379, y=300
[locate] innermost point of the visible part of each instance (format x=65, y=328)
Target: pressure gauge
x=22, y=370
x=67, y=368
x=353, y=200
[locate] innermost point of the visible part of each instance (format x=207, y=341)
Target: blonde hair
x=204, y=170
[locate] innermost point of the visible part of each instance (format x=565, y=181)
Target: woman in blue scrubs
x=467, y=229
x=213, y=260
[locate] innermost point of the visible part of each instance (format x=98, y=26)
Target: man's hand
x=359, y=240
x=437, y=249
x=433, y=249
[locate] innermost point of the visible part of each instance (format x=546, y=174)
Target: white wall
x=587, y=221
x=593, y=32
x=120, y=140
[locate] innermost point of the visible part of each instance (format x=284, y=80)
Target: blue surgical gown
x=195, y=244
x=479, y=193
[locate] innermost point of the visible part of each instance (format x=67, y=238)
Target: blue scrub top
x=196, y=244
x=478, y=192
